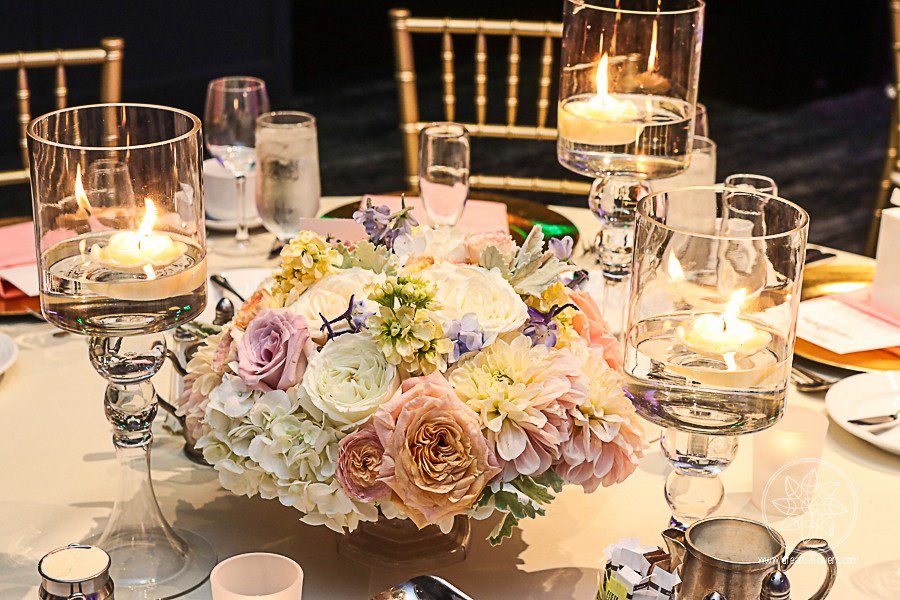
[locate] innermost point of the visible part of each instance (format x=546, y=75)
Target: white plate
x=216, y=225
x=244, y=281
x=8, y=352
x=867, y=395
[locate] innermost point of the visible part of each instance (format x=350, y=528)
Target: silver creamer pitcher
x=732, y=556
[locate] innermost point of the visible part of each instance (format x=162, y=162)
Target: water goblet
x=444, y=156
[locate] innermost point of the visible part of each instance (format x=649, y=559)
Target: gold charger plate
x=521, y=214
x=827, y=279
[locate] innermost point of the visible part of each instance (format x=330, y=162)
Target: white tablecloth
x=58, y=482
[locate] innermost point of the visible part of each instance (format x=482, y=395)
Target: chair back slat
x=403, y=26
x=543, y=103
x=480, y=77
x=61, y=91
x=108, y=56
x=448, y=75
x=512, y=80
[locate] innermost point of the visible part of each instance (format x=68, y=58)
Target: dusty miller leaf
x=367, y=255
x=492, y=259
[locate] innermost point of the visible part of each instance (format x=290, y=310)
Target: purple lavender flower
x=542, y=327
x=355, y=316
x=562, y=248
x=375, y=219
x=466, y=335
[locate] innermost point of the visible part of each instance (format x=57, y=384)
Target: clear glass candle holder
x=717, y=274
x=710, y=333
x=119, y=222
x=628, y=86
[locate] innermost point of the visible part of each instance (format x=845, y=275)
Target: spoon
x=223, y=283
x=877, y=420
x=807, y=381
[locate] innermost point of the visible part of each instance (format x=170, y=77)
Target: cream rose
x=463, y=289
x=331, y=295
x=347, y=380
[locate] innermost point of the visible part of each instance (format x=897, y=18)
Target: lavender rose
x=436, y=460
x=273, y=352
x=359, y=460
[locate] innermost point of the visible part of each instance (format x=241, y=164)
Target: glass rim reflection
x=230, y=83
x=719, y=188
x=693, y=6
x=445, y=129
x=196, y=125
x=270, y=119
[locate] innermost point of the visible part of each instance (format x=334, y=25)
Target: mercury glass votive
x=120, y=234
x=710, y=338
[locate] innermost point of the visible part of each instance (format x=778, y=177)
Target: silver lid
x=75, y=568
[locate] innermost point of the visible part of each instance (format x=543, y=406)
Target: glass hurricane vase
x=118, y=209
x=627, y=98
x=710, y=338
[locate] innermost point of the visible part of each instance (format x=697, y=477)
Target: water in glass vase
x=444, y=191
x=674, y=385
x=649, y=140
x=84, y=296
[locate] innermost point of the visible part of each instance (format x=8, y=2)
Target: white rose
x=444, y=243
x=465, y=289
x=330, y=296
x=348, y=380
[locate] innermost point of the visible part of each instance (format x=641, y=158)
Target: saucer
x=8, y=352
x=867, y=395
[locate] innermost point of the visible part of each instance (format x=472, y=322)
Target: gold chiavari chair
x=890, y=180
x=404, y=26
x=109, y=55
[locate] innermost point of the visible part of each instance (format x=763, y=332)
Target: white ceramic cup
x=257, y=576
x=219, y=191
x=790, y=450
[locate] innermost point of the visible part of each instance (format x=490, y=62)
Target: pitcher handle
x=820, y=546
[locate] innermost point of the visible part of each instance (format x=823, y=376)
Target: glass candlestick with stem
x=710, y=333
x=122, y=258
x=444, y=156
x=627, y=95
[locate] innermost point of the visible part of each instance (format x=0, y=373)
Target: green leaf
x=368, y=256
x=492, y=259
x=534, y=490
x=503, y=529
x=551, y=479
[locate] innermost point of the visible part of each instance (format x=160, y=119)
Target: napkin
x=18, y=264
x=478, y=216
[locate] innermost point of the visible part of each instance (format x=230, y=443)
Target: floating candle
x=725, y=335
x=140, y=250
x=600, y=119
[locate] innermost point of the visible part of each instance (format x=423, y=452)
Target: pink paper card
x=17, y=245
x=345, y=230
x=479, y=215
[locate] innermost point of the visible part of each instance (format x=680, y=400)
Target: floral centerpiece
x=420, y=374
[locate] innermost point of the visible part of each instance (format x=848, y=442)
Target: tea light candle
x=600, y=119
x=135, y=250
x=257, y=575
x=789, y=449
x=726, y=334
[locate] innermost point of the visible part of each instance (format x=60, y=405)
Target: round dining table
x=58, y=480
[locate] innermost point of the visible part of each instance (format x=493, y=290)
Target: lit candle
x=725, y=335
x=651, y=81
x=140, y=250
x=600, y=119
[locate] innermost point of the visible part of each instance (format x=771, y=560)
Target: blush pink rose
x=436, y=460
x=589, y=323
x=273, y=353
x=359, y=461
x=477, y=242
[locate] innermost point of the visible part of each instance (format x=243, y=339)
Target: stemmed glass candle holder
x=444, y=156
x=118, y=208
x=717, y=274
x=627, y=94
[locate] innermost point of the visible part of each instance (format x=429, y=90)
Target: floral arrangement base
x=395, y=544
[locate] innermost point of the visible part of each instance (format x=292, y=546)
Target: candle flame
x=149, y=272
x=149, y=219
x=81, y=197
x=676, y=272
x=602, y=77
x=733, y=307
x=651, y=60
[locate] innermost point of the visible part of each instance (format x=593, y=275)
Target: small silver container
x=75, y=572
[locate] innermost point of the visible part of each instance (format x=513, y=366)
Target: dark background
x=795, y=90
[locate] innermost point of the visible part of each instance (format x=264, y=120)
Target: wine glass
x=444, y=172
x=287, y=180
x=232, y=107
